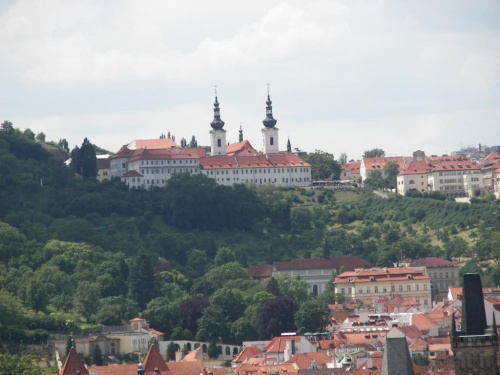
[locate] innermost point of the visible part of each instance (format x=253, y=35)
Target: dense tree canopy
x=323, y=166
x=374, y=153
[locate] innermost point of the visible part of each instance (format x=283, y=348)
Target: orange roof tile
x=377, y=164
x=278, y=344
x=304, y=360
x=241, y=148
x=248, y=352
x=154, y=361
x=153, y=143
x=125, y=369
x=416, y=167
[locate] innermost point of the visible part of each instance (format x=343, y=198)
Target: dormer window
x=372, y=278
x=409, y=277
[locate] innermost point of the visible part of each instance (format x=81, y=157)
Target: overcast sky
x=345, y=76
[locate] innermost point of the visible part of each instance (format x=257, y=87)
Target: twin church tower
x=270, y=144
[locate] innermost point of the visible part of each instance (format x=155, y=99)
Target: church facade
x=237, y=163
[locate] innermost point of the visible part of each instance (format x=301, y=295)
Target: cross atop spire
x=269, y=121
x=217, y=123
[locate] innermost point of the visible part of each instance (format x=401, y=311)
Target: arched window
x=228, y=350
x=219, y=349
x=219, y=143
x=271, y=141
x=235, y=350
x=188, y=346
x=412, y=182
x=204, y=346
x=315, y=290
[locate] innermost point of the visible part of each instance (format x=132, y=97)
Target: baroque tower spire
x=217, y=134
x=240, y=137
x=217, y=123
x=269, y=121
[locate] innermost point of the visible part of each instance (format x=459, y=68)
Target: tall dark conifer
x=141, y=281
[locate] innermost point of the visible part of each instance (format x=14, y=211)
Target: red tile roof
x=304, y=360
x=185, y=368
x=433, y=262
x=103, y=163
x=454, y=164
x=73, y=364
x=416, y=167
x=252, y=161
x=124, y=152
x=132, y=173
x=377, y=274
x=125, y=369
x=260, y=272
x=248, y=352
x=352, y=167
x=154, y=361
x=153, y=143
x=241, y=148
x=377, y=164
x=278, y=344
x=281, y=369
x=167, y=154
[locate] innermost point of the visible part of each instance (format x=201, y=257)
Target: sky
x=344, y=76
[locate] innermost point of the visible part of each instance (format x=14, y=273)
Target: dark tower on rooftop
x=217, y=123
x=269, y=121
x=240, y=137
x=289, y=146
x=473, y=313
x=475, y=346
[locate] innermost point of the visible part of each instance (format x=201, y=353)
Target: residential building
x=151, y=163
x=315, y=272
x=103, y=168
x=489, y=165
x=413, y=177
x=370, y=165
x=455, y=177
x=351, y=171
x=443, y=273
x=371, y=284
x=496, y=183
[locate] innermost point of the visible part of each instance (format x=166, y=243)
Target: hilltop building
x=372, y=284
x=150, y=163
x=443, y=273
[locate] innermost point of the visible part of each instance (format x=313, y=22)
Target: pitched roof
x=194, y=355
x=377, y=164
x=252, y=161
x=185, y=368
x=248, y=352
x=397, y=359
x=433, y=262
x=416, y=167
x=132, y=173
x=454, y=164
x=103, y=163
x=241, y=148
x=363, y=275
x=304, y=360
x=125, y=369
x=73, y=364
x=259, y=272
x=352, y=167
x=168, y=154
x=154, y=361
x=152, y=143
x=278, y=344
x=124, y=152
x=284, y=368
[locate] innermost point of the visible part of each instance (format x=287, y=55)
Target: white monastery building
x=150, y=163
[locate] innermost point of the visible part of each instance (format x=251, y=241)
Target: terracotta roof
x=73, y=364
x=168, y=154
x=326, y=344
x=422, y=322
x=352, y=167
x=284, y=368
x=259, y=272
x=153, y=143
x=433, y=262
x=453, y=164
x=185, y=368
x=248, y=352
x=125, y=369
x=132, y=173
x=124, y=152
x=364, y=275
x=137, y=320
x=252, y=161
x=304, y=360
x=103, y=163
x=241, y=148
x=194, y=355
x=416, y=167
x=377, y=164
x=154, y=361
x=278, y=344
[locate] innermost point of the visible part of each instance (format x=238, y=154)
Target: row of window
x=162, y=171
x=455, y=173
x=262, y=180
x=384, y=288
x=439, y=275
x=260, y=170
x=160, y=162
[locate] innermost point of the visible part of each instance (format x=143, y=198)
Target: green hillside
x=75, y=253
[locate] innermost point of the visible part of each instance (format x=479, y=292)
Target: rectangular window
x=376, y=289
x=401, y=288
x=393, y=288
x=342, y=291
x=360, y=291
x=384, y=289
x=408, y=288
